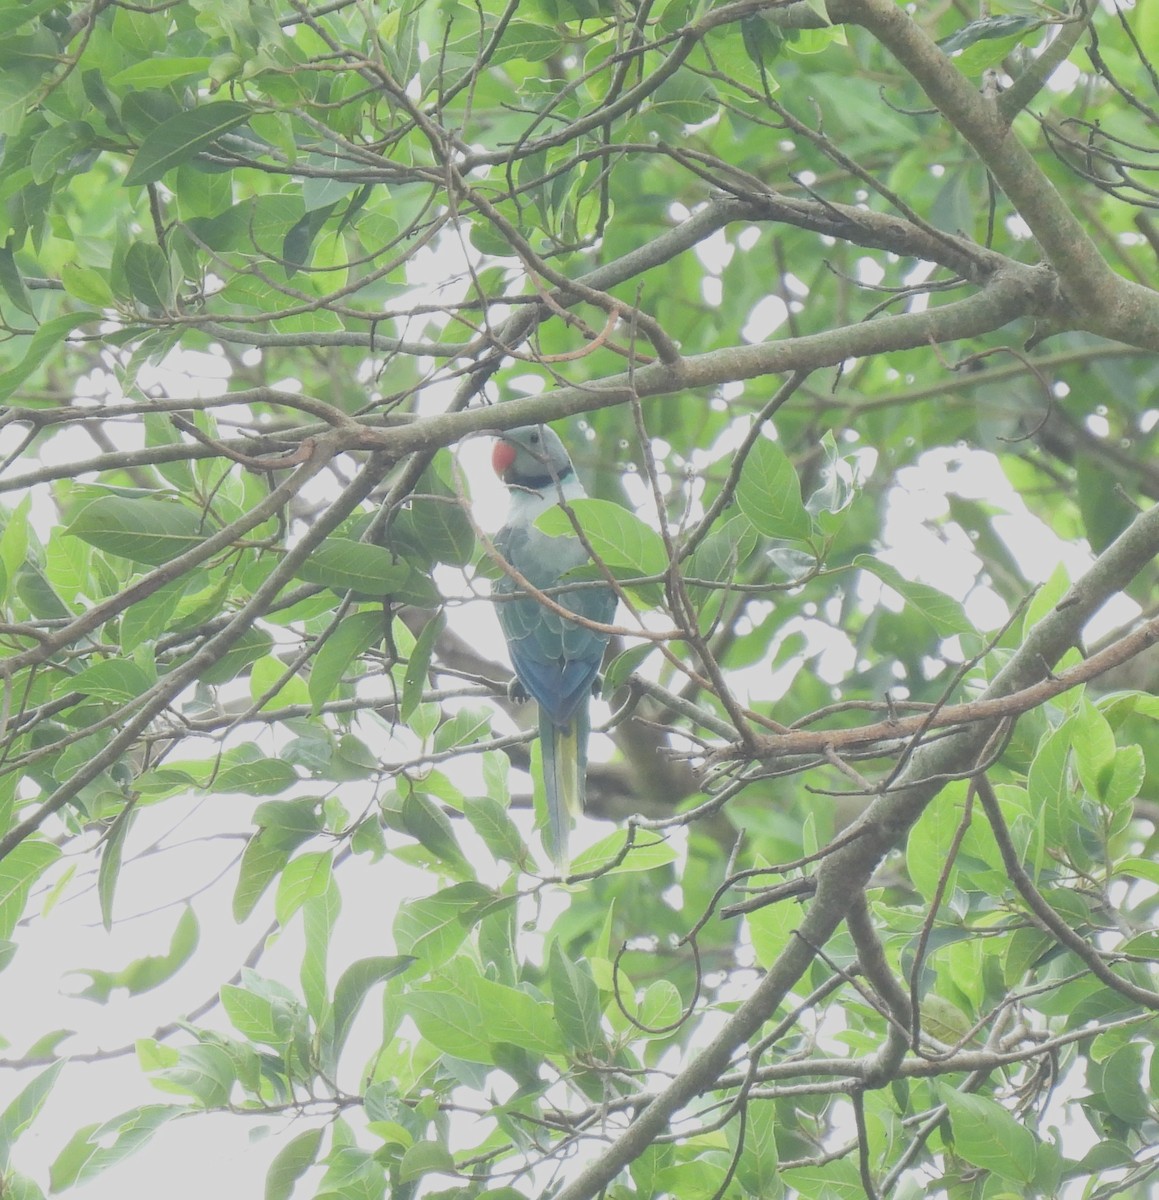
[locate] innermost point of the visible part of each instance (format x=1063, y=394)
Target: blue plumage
x=556, y=660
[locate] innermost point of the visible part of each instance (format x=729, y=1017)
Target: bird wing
x=557, y=660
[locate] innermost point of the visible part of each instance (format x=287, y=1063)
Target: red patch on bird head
x=502, y=456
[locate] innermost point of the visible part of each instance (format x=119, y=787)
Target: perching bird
x=556, y=661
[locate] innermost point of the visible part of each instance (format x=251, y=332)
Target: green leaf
x=116, y=679
x=21, y=1112
x=353, y=985
x=444, y=528
x=427, y=824
x=819, y=9
x=1139, y=868
x=205, y=1071
x=1046, y=597
x=44, y=342
x=19, y=870
x=261, y=777
x=418, y=664
x=148, y=972
x=931, y=834
x=14, y=541
x=355, y=634
x=434, y=528
x=577, y=1000
x=1124, y=781
x=144, y=531
x=110, y=867
x=12, y=283
x=719, y=556
x=33, y=587
x=148, y=276
x=319, y=916
x=95, y=1148
x=290, y=1163
x=182, y=137
x=1093, y=743
x=646, y=854
x=685, y=97
x=1124, y=1088
x=1027, y=946
x=451, y=1021
x=254, y=643
x=308, y=875
x=58, y=149
x=833, y=1181
x=423, y=1158
x=266, y=853
x=465, y=1014
x=647, y=1167
x=300, y=239
x=1145, y=946
x=943, y=1019
x=269, y=1021
x=988, y=1136
x=762, y=42
x=146, y=620
x=19, y=15
x=20, y=1187
x=432, y=928
x=660, y=1005
x=943, y=612
x=618, y=538
x=490, y=820
x=299, y=819
x=623, y=665
x=981, y=44
x=463, y=728
x=769, y=493
x=770, y=929
x=1106, y=508
x=1048, y=784
x=756, y=1168
x=346, y=565
x=528, y=41
x=157, y=72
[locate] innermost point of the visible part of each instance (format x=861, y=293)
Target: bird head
x=532, y=457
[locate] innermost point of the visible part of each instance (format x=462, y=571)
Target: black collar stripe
x=541, y=483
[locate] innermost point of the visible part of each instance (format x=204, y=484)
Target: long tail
x=565, y=764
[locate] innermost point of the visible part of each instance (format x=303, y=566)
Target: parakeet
x=556, y=661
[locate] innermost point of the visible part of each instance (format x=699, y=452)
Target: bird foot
x=516, y=692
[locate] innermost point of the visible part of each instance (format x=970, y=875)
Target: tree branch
x=158, y=697
x=1102, y=301
x=843, y=875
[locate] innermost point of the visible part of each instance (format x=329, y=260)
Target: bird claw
x=516, y=692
